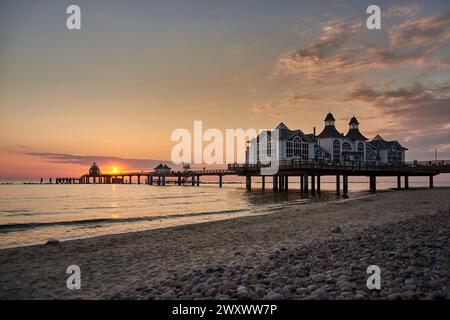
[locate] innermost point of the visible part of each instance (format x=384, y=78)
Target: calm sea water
x=31, y=214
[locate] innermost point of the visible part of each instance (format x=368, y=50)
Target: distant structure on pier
x=94, y=170
x=329, y=145
x=162, y=169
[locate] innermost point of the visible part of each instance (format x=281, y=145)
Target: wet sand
x=146, y=264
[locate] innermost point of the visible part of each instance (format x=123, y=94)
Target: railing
x=344, y=165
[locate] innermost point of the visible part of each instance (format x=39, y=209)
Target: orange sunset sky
x=114, y=91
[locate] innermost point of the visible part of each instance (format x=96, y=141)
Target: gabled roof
x=377, y=137
x=162, y=166
x=301, y=134
x=355, y=134
x=285, y=133
x=379, y=143
x=282, y=126
x=329, y=132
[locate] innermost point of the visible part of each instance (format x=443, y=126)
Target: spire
x=353, y=124
x=329, y=119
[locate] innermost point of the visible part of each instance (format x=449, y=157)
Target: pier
x=307, y=173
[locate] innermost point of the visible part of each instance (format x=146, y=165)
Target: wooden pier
x=309, y=174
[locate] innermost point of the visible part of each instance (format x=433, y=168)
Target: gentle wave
x=6, y=228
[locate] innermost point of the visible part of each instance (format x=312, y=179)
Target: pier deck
x=310, y=173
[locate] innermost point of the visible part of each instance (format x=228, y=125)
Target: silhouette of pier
x=309, y=174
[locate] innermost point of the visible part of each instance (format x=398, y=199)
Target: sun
x=115, y=170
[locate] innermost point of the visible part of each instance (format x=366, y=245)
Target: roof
x=161, y=166
x=355, y=134
x=381, y=144
x=329, y=132
x=311, y=137
x=329, y=117
x=353, y=120
x=285, y=133
x=377, y=137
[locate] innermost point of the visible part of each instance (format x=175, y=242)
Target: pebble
x=411, y=269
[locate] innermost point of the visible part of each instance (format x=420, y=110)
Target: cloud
x=444, y=63
x=300, y=98
x=286, y=100
x=324, y=55
x=419, y=113
x=86, y=160
x=406, y=10
x=341, y=49
x=415, y=41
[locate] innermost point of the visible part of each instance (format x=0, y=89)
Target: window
x=297, y=148
x=346, y=146
x=361, y=147
x=305, y=150
x=395, y=155
x=336, y=150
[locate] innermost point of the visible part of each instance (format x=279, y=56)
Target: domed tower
x=330, y=138
x=353, y=124
x=330, y=130
x=329, y=119
x=353, y=130
x=94, y=170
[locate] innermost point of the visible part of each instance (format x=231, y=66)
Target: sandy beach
x=318, y=251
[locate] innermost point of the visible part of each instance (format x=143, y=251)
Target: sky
x=114, y=91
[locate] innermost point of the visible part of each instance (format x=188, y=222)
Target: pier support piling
x=263, y=182
x=373, y=183
x=431, y=182
x=406, y=182
x=275, y=182
x=305, y=183
x=338, y=183
x=248, y=183
x=286, y=183
x=198, y=181
x=313, y=184
x=220, y=181
x=318, y=183
x=345, y=184
x=399, y=182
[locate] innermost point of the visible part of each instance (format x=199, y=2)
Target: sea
x=34, y=213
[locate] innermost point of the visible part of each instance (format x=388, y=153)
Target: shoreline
x=213, y=217
x=124, y=265
x=307, y=203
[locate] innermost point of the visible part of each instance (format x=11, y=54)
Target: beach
x=318, y=251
